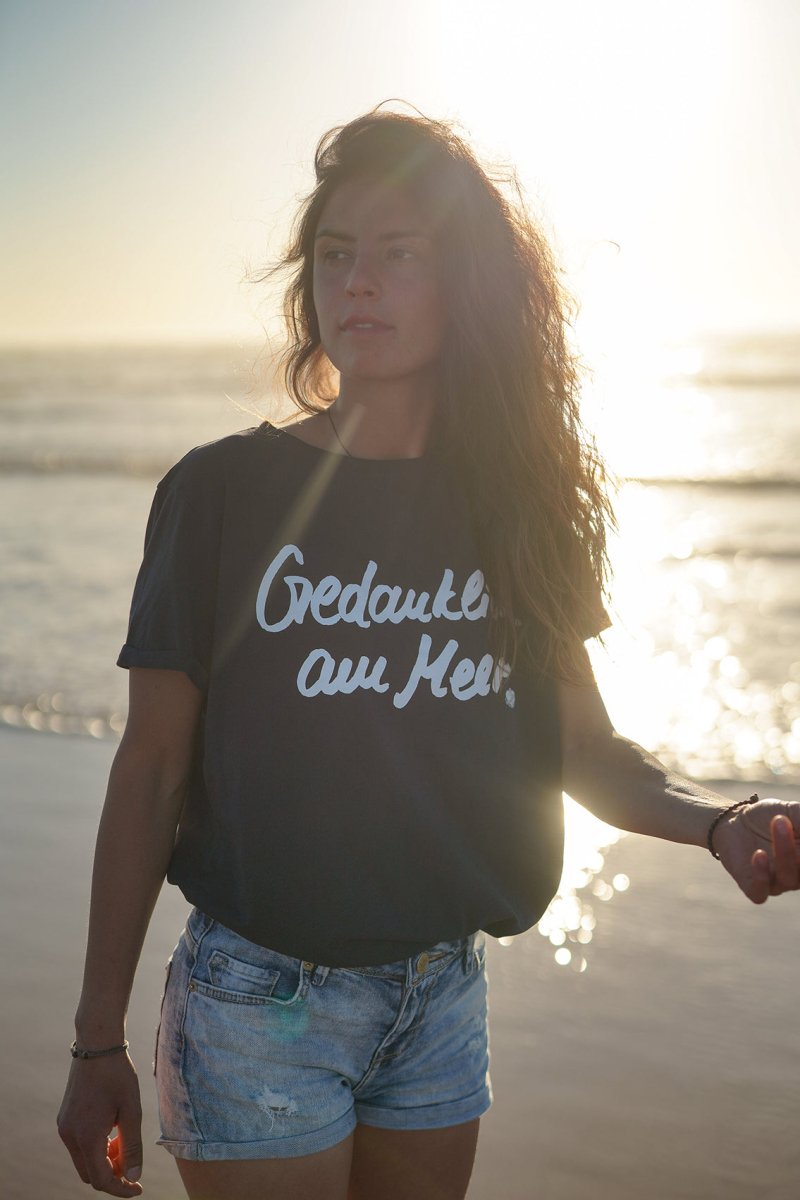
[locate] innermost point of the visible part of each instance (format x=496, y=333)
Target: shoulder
x=209, y=464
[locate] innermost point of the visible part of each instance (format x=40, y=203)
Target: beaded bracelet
x=724, y=812
x=77, y=1053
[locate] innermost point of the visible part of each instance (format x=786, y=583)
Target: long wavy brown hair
x=508, y=416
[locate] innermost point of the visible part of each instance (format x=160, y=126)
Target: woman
x=358, y=685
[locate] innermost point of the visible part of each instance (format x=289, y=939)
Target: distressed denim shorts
x=260, y=1055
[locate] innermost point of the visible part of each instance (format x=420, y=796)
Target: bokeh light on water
x=570, y=920
x=703, y=666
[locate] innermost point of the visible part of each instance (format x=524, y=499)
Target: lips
x=363, y=324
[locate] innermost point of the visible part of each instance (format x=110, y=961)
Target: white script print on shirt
x=364, y=603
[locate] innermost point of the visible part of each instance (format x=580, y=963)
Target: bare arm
x=146, y=789
x=628, y=787
x=622, y=783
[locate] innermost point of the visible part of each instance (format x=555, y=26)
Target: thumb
x=133, y=1151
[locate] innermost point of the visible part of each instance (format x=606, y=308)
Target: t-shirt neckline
x=427, y=457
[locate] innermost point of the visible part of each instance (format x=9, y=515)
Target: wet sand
x=668, y=1070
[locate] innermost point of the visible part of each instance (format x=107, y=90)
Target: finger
x=101, y=1173
x=758, y=816
x=76, y=1154
x=791, y=810
x=784, y=856
x=760, y=885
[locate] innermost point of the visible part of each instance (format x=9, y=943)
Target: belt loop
x=203, y=924
x=319, y=974
x=409, y=965
x=468, y=959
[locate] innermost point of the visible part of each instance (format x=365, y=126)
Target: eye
x=401, y=252
x=333, y=255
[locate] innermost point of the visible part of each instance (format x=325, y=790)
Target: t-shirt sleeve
x=172, y=611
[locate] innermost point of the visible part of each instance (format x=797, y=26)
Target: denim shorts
x=260, y=1055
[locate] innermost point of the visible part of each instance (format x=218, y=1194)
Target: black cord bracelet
x=724, y=812
x=76, y=1052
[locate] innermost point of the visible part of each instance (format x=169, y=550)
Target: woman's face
x=376, y=266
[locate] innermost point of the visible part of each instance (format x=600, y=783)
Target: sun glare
x=598, y=126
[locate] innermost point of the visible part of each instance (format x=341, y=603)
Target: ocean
x=702, y=665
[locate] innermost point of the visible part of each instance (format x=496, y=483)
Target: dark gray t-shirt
x=364, y=785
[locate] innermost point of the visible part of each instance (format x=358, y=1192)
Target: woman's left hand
x=760, y=847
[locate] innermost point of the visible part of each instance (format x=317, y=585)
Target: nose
x=362, y=280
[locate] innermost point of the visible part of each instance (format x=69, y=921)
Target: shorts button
x=422, y=962
x=309, y=966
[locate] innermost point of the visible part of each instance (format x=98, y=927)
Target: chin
x=381, y=372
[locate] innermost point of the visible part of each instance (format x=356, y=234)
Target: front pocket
x=235, y=975
x=237, y=981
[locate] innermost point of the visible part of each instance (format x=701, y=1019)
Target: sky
x=155, y=151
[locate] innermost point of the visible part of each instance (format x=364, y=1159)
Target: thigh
x=323, y=1174
x=413, y=1164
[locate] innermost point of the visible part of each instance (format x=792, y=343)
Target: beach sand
x=668, y=1070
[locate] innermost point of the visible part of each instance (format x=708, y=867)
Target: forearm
x=135, y=839
x=626, y=786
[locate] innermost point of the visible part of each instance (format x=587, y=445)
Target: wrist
x=97, y=1032
x=85, y=1052
x=723, y=822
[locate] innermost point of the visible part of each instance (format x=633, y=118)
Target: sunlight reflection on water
x=570, y=919
x=700, y=665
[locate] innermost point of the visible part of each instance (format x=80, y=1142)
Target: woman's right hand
x=147, y=787
x=101, y=1093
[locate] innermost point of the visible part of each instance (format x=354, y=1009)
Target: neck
x=384, y=420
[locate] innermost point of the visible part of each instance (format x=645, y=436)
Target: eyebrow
x=384, y=237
